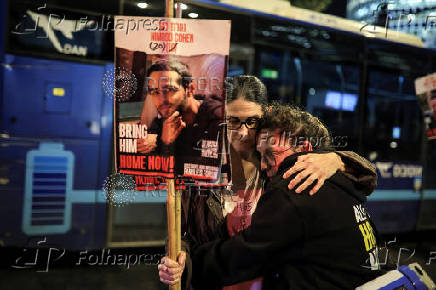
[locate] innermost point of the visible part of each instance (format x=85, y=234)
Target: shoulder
x=279, y=185
x=277, y=189
x=212, y=106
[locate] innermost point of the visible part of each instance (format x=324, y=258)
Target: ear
x=307, y=146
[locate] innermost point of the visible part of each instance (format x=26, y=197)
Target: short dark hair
x=246, y=87
x=298, y=124
x=173, y=65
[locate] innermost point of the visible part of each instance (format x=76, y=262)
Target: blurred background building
x=414, y=17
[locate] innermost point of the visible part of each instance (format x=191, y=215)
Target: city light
x=142, y=5
x=183, y=6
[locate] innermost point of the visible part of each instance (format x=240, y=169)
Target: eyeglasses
x=234, y=123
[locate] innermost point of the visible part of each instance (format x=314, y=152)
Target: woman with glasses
x=206, y=217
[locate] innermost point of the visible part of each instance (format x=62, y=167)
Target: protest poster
x=425, y=88
x=170, y=99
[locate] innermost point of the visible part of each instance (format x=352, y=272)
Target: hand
x=171, y=271
x=315, y=167
x=146, y=145
x=172, y=127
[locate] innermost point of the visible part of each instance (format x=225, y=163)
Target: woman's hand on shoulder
x=314, y=168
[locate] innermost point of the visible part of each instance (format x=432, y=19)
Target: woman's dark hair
x=248, y=88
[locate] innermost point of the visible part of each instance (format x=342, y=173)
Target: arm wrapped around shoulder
x=360, y=170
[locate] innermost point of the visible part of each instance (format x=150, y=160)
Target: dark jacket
x=202, y=215
x=296, y=241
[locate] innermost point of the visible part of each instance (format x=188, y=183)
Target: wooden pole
x=169, y=8
x=173, y=202
x=171, y=217
x=178, y=205
x=178, y=215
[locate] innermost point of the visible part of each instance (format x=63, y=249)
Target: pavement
x=136, y=268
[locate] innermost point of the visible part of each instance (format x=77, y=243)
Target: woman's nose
x=243, y=132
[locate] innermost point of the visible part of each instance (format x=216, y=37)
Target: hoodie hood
x=338, y=178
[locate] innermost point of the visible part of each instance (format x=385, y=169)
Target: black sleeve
x=187, y=273
x=155, y=126
x=186, y=241
x=359, y=170
x=244, y=256
x=161, y=148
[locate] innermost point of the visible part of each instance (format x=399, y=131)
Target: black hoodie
x=296, y=241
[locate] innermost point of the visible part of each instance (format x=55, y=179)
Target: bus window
x=241, y=60
x=59, y=31
x=269, y=69
x=279, y=72
x=393, y=125
x=330, y=92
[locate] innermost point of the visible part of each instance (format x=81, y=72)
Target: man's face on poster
x=167, y=92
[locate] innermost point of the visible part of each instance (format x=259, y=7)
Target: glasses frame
x=244, y=123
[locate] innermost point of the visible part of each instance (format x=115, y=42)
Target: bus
x=56, y=111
